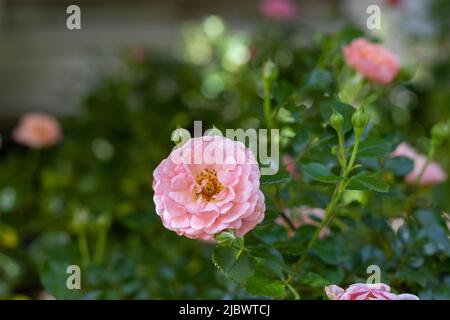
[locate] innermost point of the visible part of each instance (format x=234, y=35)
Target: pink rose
x=137, y=54
x=289, y=164
x=209, y=185
x=305, y=216
x=393, y=3
x=364, y=291
x=37, y=130
x=375, y=62
x=278, y=9
x=433, y=173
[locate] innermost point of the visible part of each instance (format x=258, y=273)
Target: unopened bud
x=180, y=136
x=336, y=120
x=213, y=132
x=360, y=119
x=440, y=132
x=80, y=219
x=104, y=221
x=270, y=71
x=225, y=238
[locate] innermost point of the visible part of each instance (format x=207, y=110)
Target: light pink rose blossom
x=37, y=130
x=289, y=164
x=374, y=61
x=302, y=216
x=278, y=9
x=433, y=173
x=201, y=196
x=364, y=291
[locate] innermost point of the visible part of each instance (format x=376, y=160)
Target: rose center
x=209, y=184
x=40, y=131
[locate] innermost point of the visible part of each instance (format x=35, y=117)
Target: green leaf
x=236, y=266
x=330, y=252
x=296, y=245
x=312, y=279
x=401, y=166
x=320, y=79
x=435, y=232
x=270, y=233
x=270, y=260
x=283, y=91
x=374, y=148
x=54, y=279
x=327, y=107
x=367, y=181
x=319, y=172
x=276, y=178
x=259, y=275
x=259, y=285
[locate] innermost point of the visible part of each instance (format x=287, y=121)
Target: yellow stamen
x=210, y=185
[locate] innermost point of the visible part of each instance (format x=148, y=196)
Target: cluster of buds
x=360, y=120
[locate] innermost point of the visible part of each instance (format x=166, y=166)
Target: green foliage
x=102, y=173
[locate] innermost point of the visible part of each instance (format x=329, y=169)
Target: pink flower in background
x=305, y=216
x=37, y=130
x=137, y=54
x=202, y=188
x=433, y=174
x=374, y=61
x=289, y=164
x=278, y=9
x=364, y=291
x=393, y=3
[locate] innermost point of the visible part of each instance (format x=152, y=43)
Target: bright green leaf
x=236, y=267
x=276, y=178
x=319, y=172
x=374, y=148
x=367, y=181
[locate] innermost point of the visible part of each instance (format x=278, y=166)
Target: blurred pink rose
x=374, y=61
x=433, y=174
x=137, y=54
x=289, y=164
x=278, y=9
x=393, y=3
x=364, y=291
x=37, y=130
x=304, y=215
x=209, y=185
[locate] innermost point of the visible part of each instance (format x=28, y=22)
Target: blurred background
x=44, y=66
x=138, y=69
